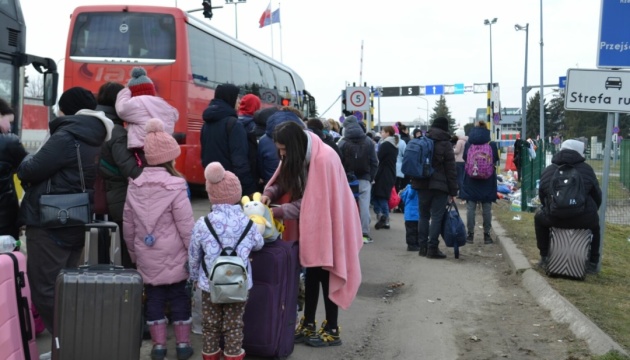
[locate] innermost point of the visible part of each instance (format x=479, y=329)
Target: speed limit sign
x=357, y=98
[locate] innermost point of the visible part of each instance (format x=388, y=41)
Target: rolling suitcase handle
x=114, y=251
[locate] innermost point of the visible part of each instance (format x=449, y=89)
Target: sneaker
x=367, y=239
x=487, y=239
x=325, y=337
x=304, y=331
x=380, y=223
x=470, y=238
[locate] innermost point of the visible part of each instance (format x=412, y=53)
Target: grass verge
x=603, y=297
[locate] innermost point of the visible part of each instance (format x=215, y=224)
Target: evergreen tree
x=441, y=110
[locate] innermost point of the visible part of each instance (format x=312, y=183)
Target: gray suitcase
x=568, y=252
x=98, y=310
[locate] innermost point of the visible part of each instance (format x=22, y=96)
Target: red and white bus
x=185, y=58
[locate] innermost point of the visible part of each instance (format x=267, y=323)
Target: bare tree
x=35, y=86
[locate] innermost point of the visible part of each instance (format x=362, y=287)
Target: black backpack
x=566, y=192
x=252, y=151
x=356, y=156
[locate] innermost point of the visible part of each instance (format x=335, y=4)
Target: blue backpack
x=418, y=158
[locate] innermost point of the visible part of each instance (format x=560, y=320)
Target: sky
x=405, y=43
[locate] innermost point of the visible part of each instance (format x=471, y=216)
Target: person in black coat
x=433, y=193
x=11, y=155
x=228, y=148
x=56, y=163
x=482, y=191
x=385, y=178
x=317, y=127
x=572, y=153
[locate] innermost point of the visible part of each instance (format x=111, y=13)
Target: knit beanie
x=222, y=186
x=159, y=147
x=140, y=84
x=75, y=99
x=350, y=120
x=249, y=104
x=227, y=93
x=576, y=145
x=460, y=133
x=440, y=123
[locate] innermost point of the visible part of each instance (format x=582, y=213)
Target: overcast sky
x=405, y=42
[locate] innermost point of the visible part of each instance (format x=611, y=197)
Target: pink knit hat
x=159, y=147
x=222, y=186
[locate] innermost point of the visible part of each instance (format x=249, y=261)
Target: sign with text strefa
x=597, y=90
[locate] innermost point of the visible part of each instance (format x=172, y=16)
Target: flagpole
x=271, y=26
x=280, y=23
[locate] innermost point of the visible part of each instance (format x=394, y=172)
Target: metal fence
x=618, y=204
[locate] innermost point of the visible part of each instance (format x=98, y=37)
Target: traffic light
x=207, y=9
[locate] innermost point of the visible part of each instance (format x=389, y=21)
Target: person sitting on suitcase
x=229, y=223
x=312, y=174
x=571, y=159
x=157, y=222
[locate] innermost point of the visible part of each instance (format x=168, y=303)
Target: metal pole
x=491, y=115
x=615, y=144
x=525, y=88
x=236, y=20
x=380, y=93
x=542, y=97
x=605, y=178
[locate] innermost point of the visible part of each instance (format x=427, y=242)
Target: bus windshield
x=137, y=35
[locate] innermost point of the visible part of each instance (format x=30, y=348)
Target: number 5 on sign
x=357, y=98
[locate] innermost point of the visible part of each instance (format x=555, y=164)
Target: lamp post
x=490, y=115
x=427, y=109
x=235, y=2
x=542, y=98
x=524, y=94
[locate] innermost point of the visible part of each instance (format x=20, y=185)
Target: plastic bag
x=197, y=315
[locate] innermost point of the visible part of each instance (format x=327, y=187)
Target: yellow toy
x=262, y=216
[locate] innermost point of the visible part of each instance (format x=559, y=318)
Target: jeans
x=460, y=175
x=365, y=190
x=432, y=205
x=175, y=294
x=381, y=206
x=471, y=207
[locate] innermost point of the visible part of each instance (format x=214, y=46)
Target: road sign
x=598, y=90
x=562, y=82
x=357, y=98
x=358, y=115
x=616, y=130
x=434, y=89
x=459, y=88
x=410, y=91
x=391, y=91
x=614, y=43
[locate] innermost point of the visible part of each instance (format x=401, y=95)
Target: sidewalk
x=561, y=310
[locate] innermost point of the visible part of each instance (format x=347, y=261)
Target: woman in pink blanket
x=330, y=233
x=136, y=104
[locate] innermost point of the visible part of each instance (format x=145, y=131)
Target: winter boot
x=158, y=336
x=423, y=250
x=386, y=224
x=214, y=356
x=435, y=253
x=470, y=238
x=487, y=239
x=544, y=261
x=240, y=356
x=182, y=338
x=380, y=223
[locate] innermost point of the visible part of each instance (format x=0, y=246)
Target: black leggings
x=313, y=277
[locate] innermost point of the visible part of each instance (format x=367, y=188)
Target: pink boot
x=214, y=356
x=182, y=338
x=158, y=336
x=240, y=356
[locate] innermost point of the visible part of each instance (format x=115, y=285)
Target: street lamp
x=518, y=27
x=427, y=108
x=235, y=2
x=490, y=23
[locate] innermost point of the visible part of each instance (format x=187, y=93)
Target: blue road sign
x=434, y=89
x=459, y=88
x=613, y=48
x=562, y=82
x=358, y=115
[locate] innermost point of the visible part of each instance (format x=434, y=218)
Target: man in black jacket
x=433, y=193
x=572, y=153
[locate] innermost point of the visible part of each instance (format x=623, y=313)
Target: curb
x=562, y=311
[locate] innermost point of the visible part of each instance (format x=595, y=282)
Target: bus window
x=124, y=35
x=284, y=83
x=202, y=58
x=240, y=68
x=6, y=81
x=223, y=61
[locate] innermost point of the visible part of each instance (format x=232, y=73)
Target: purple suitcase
x=271, y=311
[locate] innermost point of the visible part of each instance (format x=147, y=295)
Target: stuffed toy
x=262, y=217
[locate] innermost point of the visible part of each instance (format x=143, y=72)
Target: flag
x=268, y=17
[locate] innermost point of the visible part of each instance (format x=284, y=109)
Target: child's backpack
x=566, y=193
x=356, y=156
x=228, y=274
x=418, y=158
x=479, y=162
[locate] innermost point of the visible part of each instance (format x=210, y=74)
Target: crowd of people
x=300, y=164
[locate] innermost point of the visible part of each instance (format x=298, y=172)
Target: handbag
x=453, y=228
x=64, y=210
x=394, y=199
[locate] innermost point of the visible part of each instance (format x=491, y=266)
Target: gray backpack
x=228, y=274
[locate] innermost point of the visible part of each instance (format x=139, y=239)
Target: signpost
x=598, y=90
x=613, y=48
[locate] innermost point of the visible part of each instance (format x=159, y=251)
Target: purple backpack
x=479, y=162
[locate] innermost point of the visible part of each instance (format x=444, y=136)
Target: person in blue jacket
x=409, y=197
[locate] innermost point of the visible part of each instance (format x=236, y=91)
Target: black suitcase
x=568, y=252
x=98, y=309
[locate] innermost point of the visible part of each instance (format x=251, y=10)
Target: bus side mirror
x=50, y=88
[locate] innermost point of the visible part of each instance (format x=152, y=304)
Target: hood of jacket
x=479, y=135
x=261, y=116
x=84, y=126
x=278, y=118
x=249, y=104
x=218, y=110
x=110, y=113
x=567, y=156
x=438, y=134
x=352, y=130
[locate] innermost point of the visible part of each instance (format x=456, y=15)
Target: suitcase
x=271, y=311
x=569, y=250
x=98, y=309
x=17, y=329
